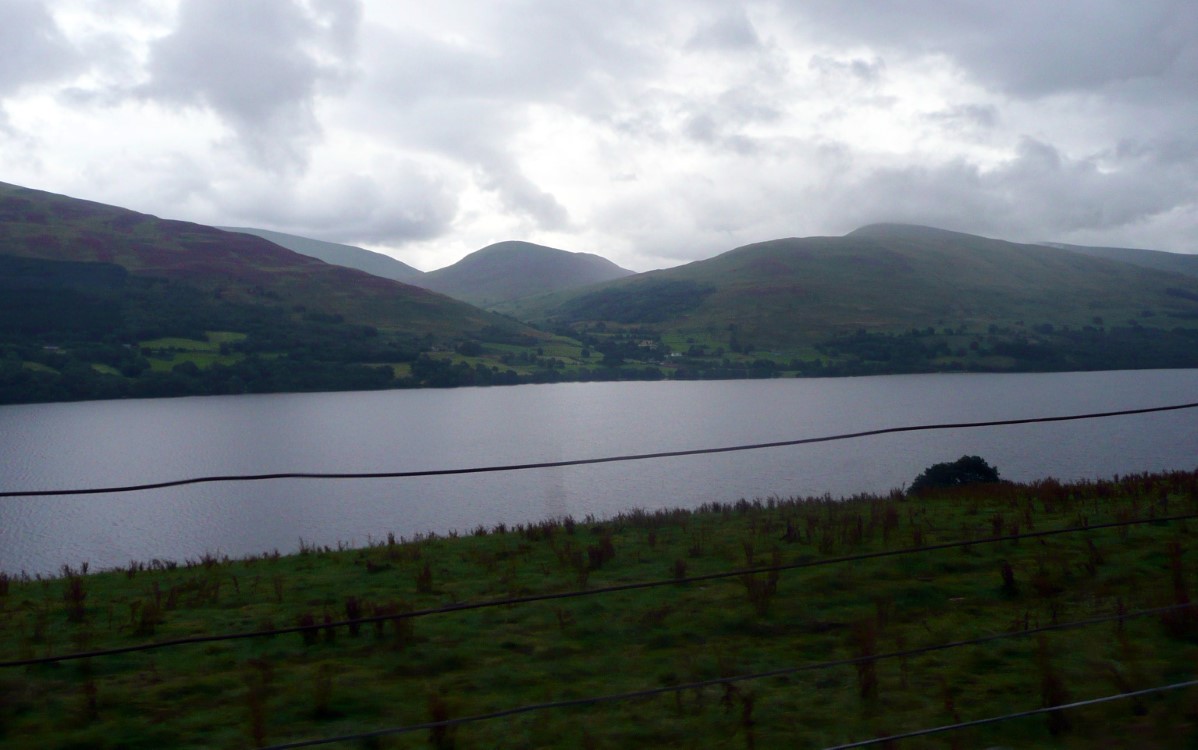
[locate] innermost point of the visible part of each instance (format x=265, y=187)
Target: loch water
x=113, y=443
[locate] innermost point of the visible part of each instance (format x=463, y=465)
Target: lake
x=76, y=445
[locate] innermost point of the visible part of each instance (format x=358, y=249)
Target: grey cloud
x=733, y=31
x=1037, y=194
x=705, y=128
x=1028, y=47
x=34, y=48
x=545, y=52
x=258, y=64
x=1173, y=151
x=701, y=126
x=341, y=21
x=863, y=71
x=520, y=194
x=721, y=121
x=748, y=105
x=402, y=203
x=467, y=101
x=965, y=116
x=468, y=96
x=692, y=100
x=475, y=133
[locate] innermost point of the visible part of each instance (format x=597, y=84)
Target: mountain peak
x=909, y=231
x=513, y=269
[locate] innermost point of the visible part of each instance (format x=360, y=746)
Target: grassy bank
x=398, y=671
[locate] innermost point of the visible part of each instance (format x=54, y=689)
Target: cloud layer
x=652, y=133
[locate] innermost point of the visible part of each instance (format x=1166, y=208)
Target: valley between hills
x=102, y=302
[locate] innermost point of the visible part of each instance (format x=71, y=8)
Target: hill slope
x=231, y=266
x=1161, y=261
x=507, y=271
x=102, y=302
x=338, y=254
x=886, y=280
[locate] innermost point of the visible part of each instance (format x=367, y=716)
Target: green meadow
x=858, y=579
x=165, y=353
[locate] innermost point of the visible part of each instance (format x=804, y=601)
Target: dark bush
x=965, y=470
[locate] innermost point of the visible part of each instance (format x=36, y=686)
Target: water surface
x=50, y=446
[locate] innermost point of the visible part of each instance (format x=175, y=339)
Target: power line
x=465, y=606
x=1017, y=715
x=716, y=681
x=583, y=461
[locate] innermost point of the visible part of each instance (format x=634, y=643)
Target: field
x=165, y=353
x=882, y=585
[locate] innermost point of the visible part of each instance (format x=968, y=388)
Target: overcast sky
x=652, y=133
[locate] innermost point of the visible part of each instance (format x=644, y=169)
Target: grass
x=211, y=343
x=171, y=351
x=291, y=687
x=164, y=363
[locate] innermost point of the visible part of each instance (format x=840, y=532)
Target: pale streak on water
x=54, y=446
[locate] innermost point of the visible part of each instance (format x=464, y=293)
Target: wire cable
x=785, y=671
x=1017, y=715
x=465, y=606
x=583, y=461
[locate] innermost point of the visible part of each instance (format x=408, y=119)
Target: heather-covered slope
x=229, y=265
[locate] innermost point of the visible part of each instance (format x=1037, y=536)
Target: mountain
x=102, y=302
x=879, y=278
x=507, y=271
x=98, y=301
x=1156, y=259
x=971, y=302
x=230, y=266
x=339, y=255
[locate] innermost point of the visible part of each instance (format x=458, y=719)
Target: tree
x=965, y=470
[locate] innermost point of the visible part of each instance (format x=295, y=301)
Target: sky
x=652, y=133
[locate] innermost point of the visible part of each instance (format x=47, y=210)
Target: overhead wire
x=583, y=461
x=719, y=681
x=1016, y=715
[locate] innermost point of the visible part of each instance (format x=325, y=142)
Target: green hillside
x=338, y=254
x=899, y=298
x=102, y=302
x=507, y=271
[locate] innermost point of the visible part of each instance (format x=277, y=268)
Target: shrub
x=965, y=470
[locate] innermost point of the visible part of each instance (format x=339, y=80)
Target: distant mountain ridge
x=1156, y=259
x=507, y=271
x=102, y=302
x=791, y=294
x=496, y=274
x=338, y=254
